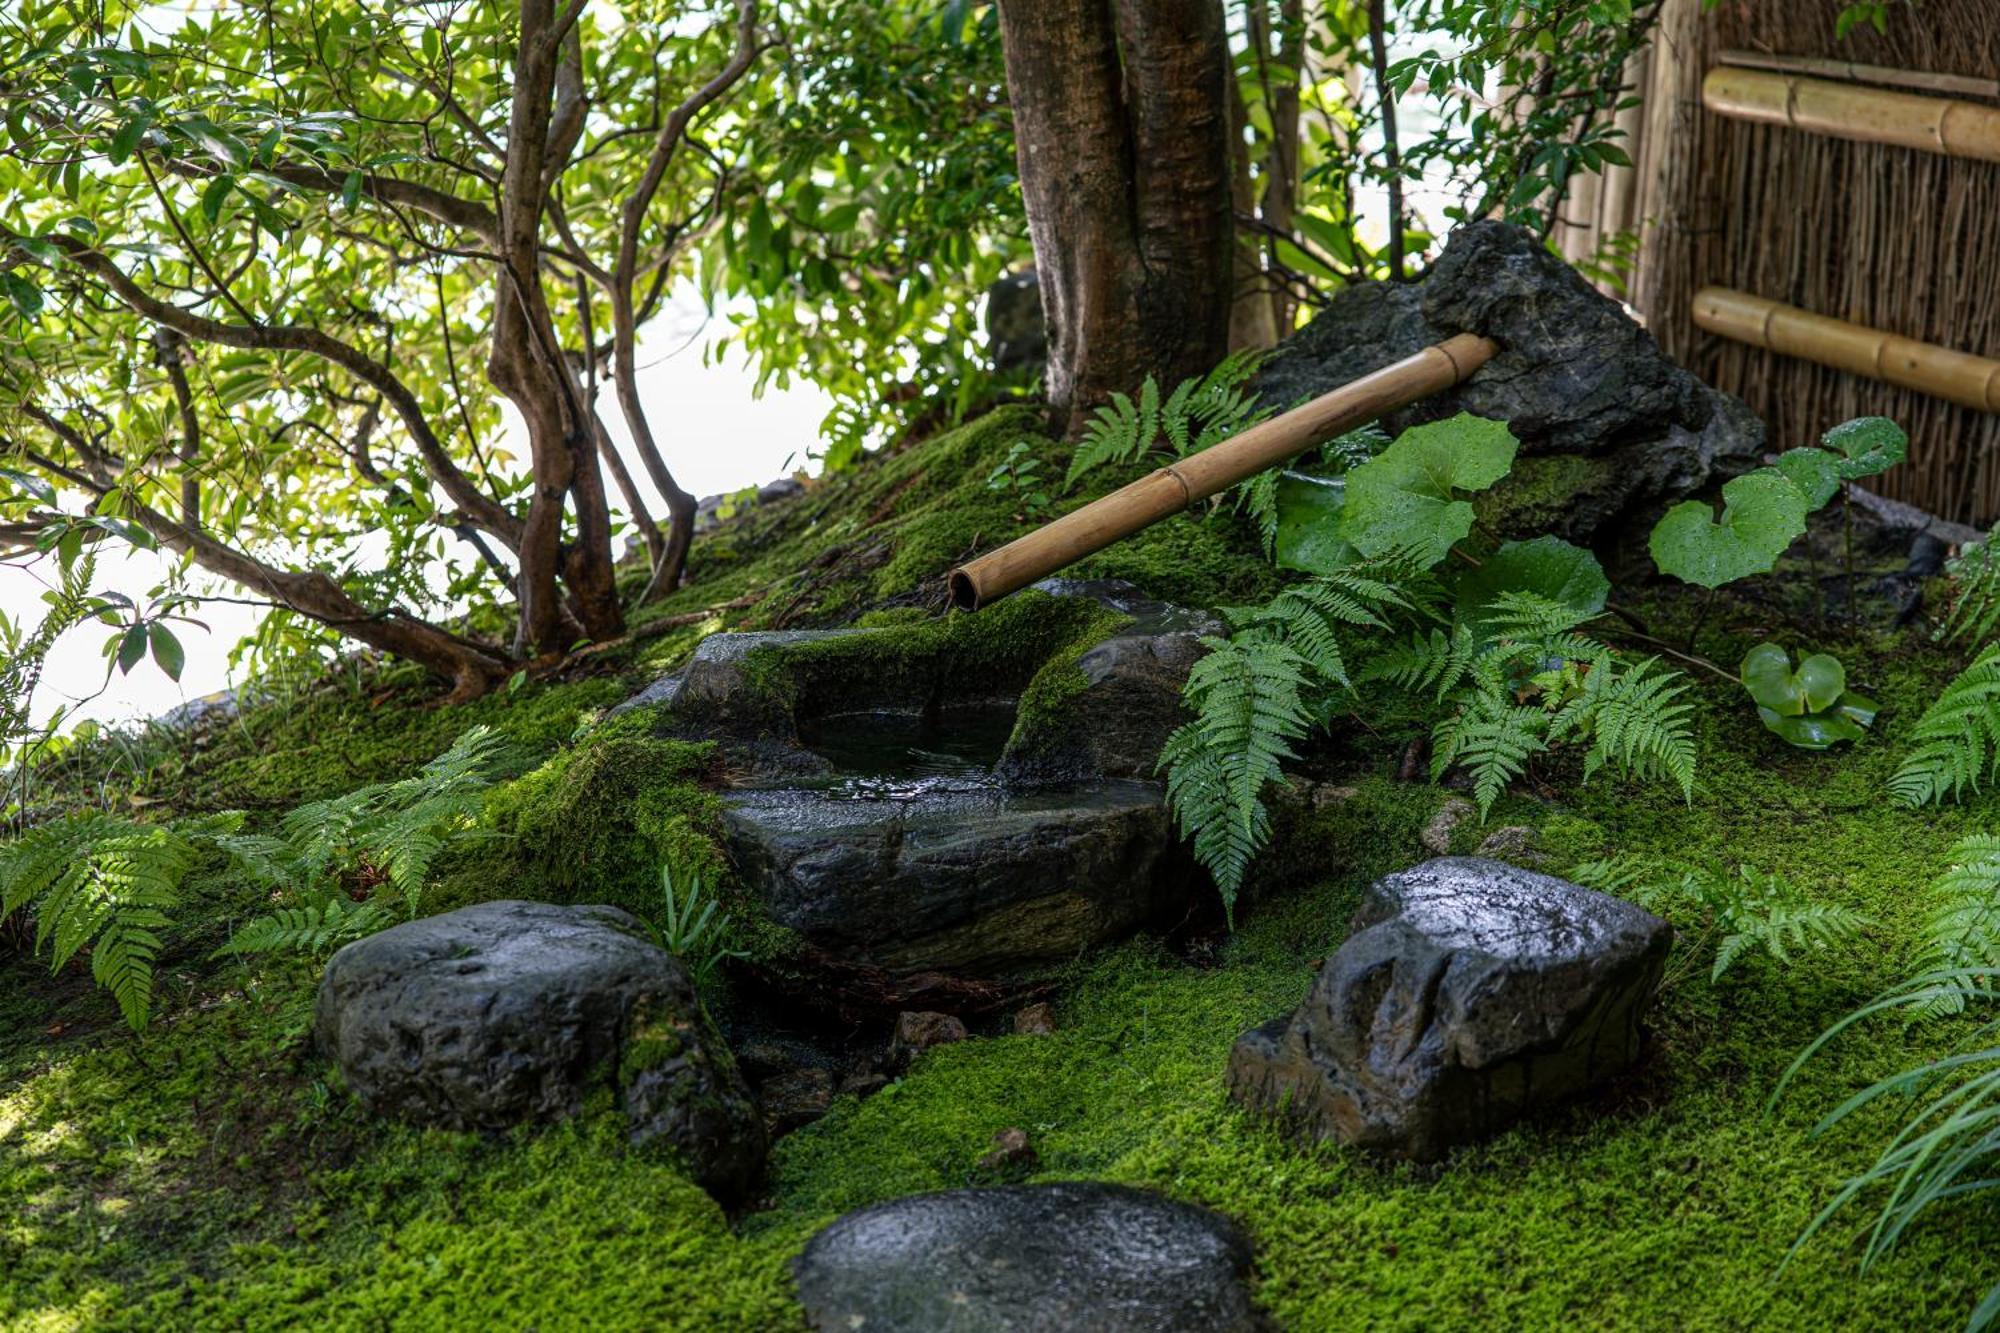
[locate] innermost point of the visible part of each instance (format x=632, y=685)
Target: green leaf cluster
x=1811, y=707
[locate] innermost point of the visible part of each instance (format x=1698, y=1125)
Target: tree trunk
x=1121, y=130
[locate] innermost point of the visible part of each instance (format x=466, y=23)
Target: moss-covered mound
x=210, y=1173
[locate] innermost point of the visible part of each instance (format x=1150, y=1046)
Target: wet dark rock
x=1516, y=844
x=510, y=1012
x=1469, y=993
x=795, y=1098
x=719, y=688
x=917, y=1031
x=965, y=879
x=1016, y=335
x=1011, y=1152
x=1037, y=1020
x=1436, y=835
x=1128, y=698
x=1029, y=1259
x=1576, y=379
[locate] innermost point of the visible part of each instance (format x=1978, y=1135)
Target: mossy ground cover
x=211, y=1174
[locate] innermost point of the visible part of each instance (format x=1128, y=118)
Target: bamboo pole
x=1844, y=111
x=1955, y=84
x=1959, y=377
x=1174, y=488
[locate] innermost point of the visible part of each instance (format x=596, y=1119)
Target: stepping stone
x=1470, y=992
x=1029, y=1259
x=509, y=1012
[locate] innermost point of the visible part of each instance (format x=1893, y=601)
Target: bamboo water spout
x=1959, y=377
x=1845, y=111
x=1179, y=485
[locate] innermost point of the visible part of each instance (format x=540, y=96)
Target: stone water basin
x=912, y=856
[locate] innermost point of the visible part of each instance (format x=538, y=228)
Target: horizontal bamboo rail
x=1959, y=377
x=1174, y=488
x=1844, y=111
x=1957, y=84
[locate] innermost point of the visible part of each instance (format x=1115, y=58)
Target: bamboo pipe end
x=964, y=591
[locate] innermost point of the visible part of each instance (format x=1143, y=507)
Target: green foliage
x=1019, y=475
x=1949, y=1140
x=1961, y=929
x=1748, y=912
x=1200, y=412
x=1762, y=514
x=103, y=883
x=1973, y=612
x=1403, y=504
x=688, y=928
x=1868, y=446
x=1498, y=645
x=313, y=929
x=1956, y=743
x=1812, y=707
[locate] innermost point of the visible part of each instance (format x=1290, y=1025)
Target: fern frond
x=98, y=882
x=315, y=929
x=1491, y=739
x=1636, y=720
x=1962, y=926
x=1957, y=740
x=1308, y=616
x=1436, y=663
x=1974, y=609
x=1247, y=697
x=1116, y=433
x=1531, y=617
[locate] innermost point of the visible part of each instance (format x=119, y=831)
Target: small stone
x=919, y=1031
x=1469, y=992
x=1326, y=795
x=1037, y=1020
x=863, y=1082
x=1436, y=836
x=1010, y=1148
x=1518, y=844
x=1029, y=1258
x=796, y=1098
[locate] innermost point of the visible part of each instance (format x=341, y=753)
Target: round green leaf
x=1548, y=566
x=1767, y=675
x=1814, y=471
x=1402, y=502
x=1309, y=536
x=1822, y=680
x=1815, y=731
x=1762, y=514
x=1868, y=446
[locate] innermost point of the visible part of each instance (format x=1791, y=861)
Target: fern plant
x=1200, y=412
x=1961, y=930
x=98, y=882
x=1957, y=740
x=314, y=928
x=1741, y=914
x=1500, y=645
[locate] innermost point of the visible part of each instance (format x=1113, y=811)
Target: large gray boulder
x=1469, y=992
x=1609, y=427
x=1029, y=1259
x=509, y=1012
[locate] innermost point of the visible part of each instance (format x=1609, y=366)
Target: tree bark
x=1121, y=131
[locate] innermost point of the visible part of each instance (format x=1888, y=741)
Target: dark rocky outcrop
x=1125, y=698
x=1016, y=335
x=1610, y=429
x=509, y=1012
x=1029, y=1259
x=968, y=880
x=1469, y=992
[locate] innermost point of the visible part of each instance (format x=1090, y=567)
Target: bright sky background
x=716, y=436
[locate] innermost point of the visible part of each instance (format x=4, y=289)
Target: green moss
x=1541, y=489
x=598, y=821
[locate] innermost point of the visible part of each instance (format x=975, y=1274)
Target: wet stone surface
x=1029, y=1259
x=1469, y=993
x=509, y=1012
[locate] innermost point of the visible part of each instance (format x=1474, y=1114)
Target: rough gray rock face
x=1029, y=1259
x=508, y=1012
x=968, y=880
x=1575, y=375
x=1469, y=992
x=1130, y=700
x=717, y=686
